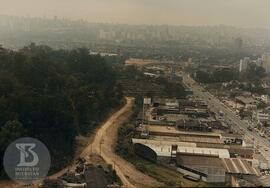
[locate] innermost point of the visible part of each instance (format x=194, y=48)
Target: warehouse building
x=193, y=125
x=213, y=169
x=239, y=166
x=166, y=151
x=161, y=130
x=208, y=169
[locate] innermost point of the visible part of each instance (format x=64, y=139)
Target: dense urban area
x=137, y=105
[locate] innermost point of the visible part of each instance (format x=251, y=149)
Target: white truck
x=262, y=134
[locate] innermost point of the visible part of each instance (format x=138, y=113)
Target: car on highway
x=250, y=128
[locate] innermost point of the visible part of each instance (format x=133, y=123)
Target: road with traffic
x=238, y=125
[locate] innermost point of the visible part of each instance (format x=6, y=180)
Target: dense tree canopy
x=253, y=73
x=217, y=76
x=53, y=96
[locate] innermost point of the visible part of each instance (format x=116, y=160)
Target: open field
x=139, y=62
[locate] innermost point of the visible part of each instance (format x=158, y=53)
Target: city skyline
x=240, y=13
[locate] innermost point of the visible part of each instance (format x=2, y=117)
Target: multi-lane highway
x=215, y=105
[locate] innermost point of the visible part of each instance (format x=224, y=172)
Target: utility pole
x=91, y=148
x=101, y=142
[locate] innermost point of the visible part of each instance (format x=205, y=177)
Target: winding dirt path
x=103, y=145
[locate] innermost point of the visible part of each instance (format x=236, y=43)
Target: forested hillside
x=53, y=96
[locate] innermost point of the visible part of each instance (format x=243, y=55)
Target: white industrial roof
x=163, y=148
x=221, y=153
x=162, y=142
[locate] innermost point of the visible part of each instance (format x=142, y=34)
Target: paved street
x=230, y=117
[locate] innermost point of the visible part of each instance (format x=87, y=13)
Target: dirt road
x=103, y=145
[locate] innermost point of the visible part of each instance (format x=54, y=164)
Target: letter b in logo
x=26, y=152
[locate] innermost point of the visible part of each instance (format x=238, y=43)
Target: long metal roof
x=163, y=148
x=239, y=166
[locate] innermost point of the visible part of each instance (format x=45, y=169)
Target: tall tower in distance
x=266, y=62
x=244, y=64
x=238, y=43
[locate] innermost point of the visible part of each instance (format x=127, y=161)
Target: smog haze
x=241, y=13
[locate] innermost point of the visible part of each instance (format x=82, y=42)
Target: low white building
x=264, y=98
x=261, y=117
x=150, y=75
x=248, y=102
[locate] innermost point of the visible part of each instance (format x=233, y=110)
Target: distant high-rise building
x=241, y=66
x=244, y=64
x=266, y=62
x=238, y=43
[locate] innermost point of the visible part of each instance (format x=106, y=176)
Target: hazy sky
x=245, y=13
